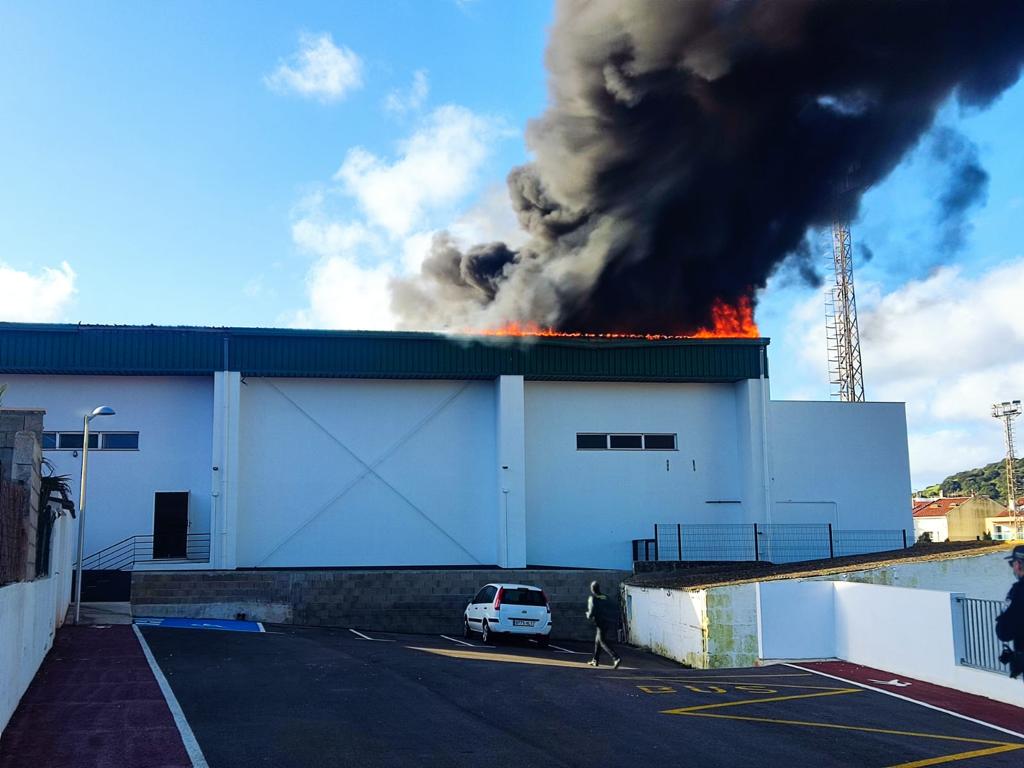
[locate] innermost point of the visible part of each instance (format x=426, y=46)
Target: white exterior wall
x=938, y=527
x=585, y=507
x=910, y=632
x=705, y=628
x=173, y=416
x=670, y=622
x=985, y=576
x=796, y=620
x=30, y=613
x=840, y=463
x=354, y=472
x=317, y=472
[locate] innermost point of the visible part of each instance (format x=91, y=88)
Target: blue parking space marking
x=222, y=624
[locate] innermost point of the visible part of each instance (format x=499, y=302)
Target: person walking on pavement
x=1010, y=623
x=603, y=613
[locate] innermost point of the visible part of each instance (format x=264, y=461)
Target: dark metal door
x=170, y=524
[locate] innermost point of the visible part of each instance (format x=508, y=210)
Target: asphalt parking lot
x=294, y=697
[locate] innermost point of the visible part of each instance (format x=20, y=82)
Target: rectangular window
x=626, y=442
x=49, y=440
x=73, y=441
x=588, y=442
x=595, y=441
x=120, y=441
x=659, y=442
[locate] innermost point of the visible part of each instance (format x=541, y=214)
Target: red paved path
x=93, y=704
x=978, y=707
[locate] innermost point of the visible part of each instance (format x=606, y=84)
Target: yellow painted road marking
x=745, y=686
x=508, y=658
x=959, y=756
x=709, y=677
x=688, y=710
x=839, y=727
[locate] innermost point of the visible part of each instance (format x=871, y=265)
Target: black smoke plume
x=967, y=185
x=689, y=147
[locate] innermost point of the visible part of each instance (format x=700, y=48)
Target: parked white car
x=509, y=609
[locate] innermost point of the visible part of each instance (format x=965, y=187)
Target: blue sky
x=187, y=163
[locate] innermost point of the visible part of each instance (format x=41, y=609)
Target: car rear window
x=523, y=597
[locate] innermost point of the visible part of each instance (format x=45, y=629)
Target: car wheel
x=485, y=633
x=466, y=631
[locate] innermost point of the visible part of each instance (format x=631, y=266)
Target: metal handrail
x=124, y=554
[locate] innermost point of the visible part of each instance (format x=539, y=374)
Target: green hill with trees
x=989, y=480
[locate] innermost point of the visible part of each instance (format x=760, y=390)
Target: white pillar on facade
x=511, y=453
x=755, y=460
x=224, y=529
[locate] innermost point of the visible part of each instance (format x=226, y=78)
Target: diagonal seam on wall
x=370, y=469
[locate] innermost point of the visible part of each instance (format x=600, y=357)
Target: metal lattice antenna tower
x=1007, y=412
x=845, y=371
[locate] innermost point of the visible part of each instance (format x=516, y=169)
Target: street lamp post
x=103, y=410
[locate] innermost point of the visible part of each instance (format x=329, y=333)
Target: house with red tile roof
x=954, y=518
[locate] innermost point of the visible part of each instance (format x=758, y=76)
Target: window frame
x=592, y=434
x=96, y=440
x=673, y=435
x=613, y=435
x=608, y=436
x=103, y=440
x=81, y=439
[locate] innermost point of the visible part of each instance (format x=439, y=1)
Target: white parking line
x=367, y=637
x=188, y=738
x=565, y=650
x=460, y=642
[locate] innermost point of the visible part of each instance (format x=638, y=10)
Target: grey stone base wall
x=416, y=601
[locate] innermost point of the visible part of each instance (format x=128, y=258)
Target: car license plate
x=523, y=622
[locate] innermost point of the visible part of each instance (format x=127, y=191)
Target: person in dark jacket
x=1010, y=623
x=603, y=613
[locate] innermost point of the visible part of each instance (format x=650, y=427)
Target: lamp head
x=103, y=410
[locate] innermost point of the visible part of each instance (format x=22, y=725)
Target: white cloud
x=411, y=100
x=40, y=298
x=343, y=294
x=949, y=346
x=395, y=206
x=319, y=69
x=323, y=237
x=436, y=167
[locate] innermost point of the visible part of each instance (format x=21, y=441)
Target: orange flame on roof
x=729, y=321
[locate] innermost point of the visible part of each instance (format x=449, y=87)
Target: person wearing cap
x=1010, y=623
x=603, y=613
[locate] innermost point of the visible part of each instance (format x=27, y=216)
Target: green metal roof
x=158, y=350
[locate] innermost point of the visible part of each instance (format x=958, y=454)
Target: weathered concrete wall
x=984, y=576
x=704, y=628
x=417, y=601
x=670, y=622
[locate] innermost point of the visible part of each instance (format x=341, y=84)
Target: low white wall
x=985, y=576
x=28, y=621
x=796, y=620
x=30, y=612
x=904, y=631
x=670, y=622
x=705, y=628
